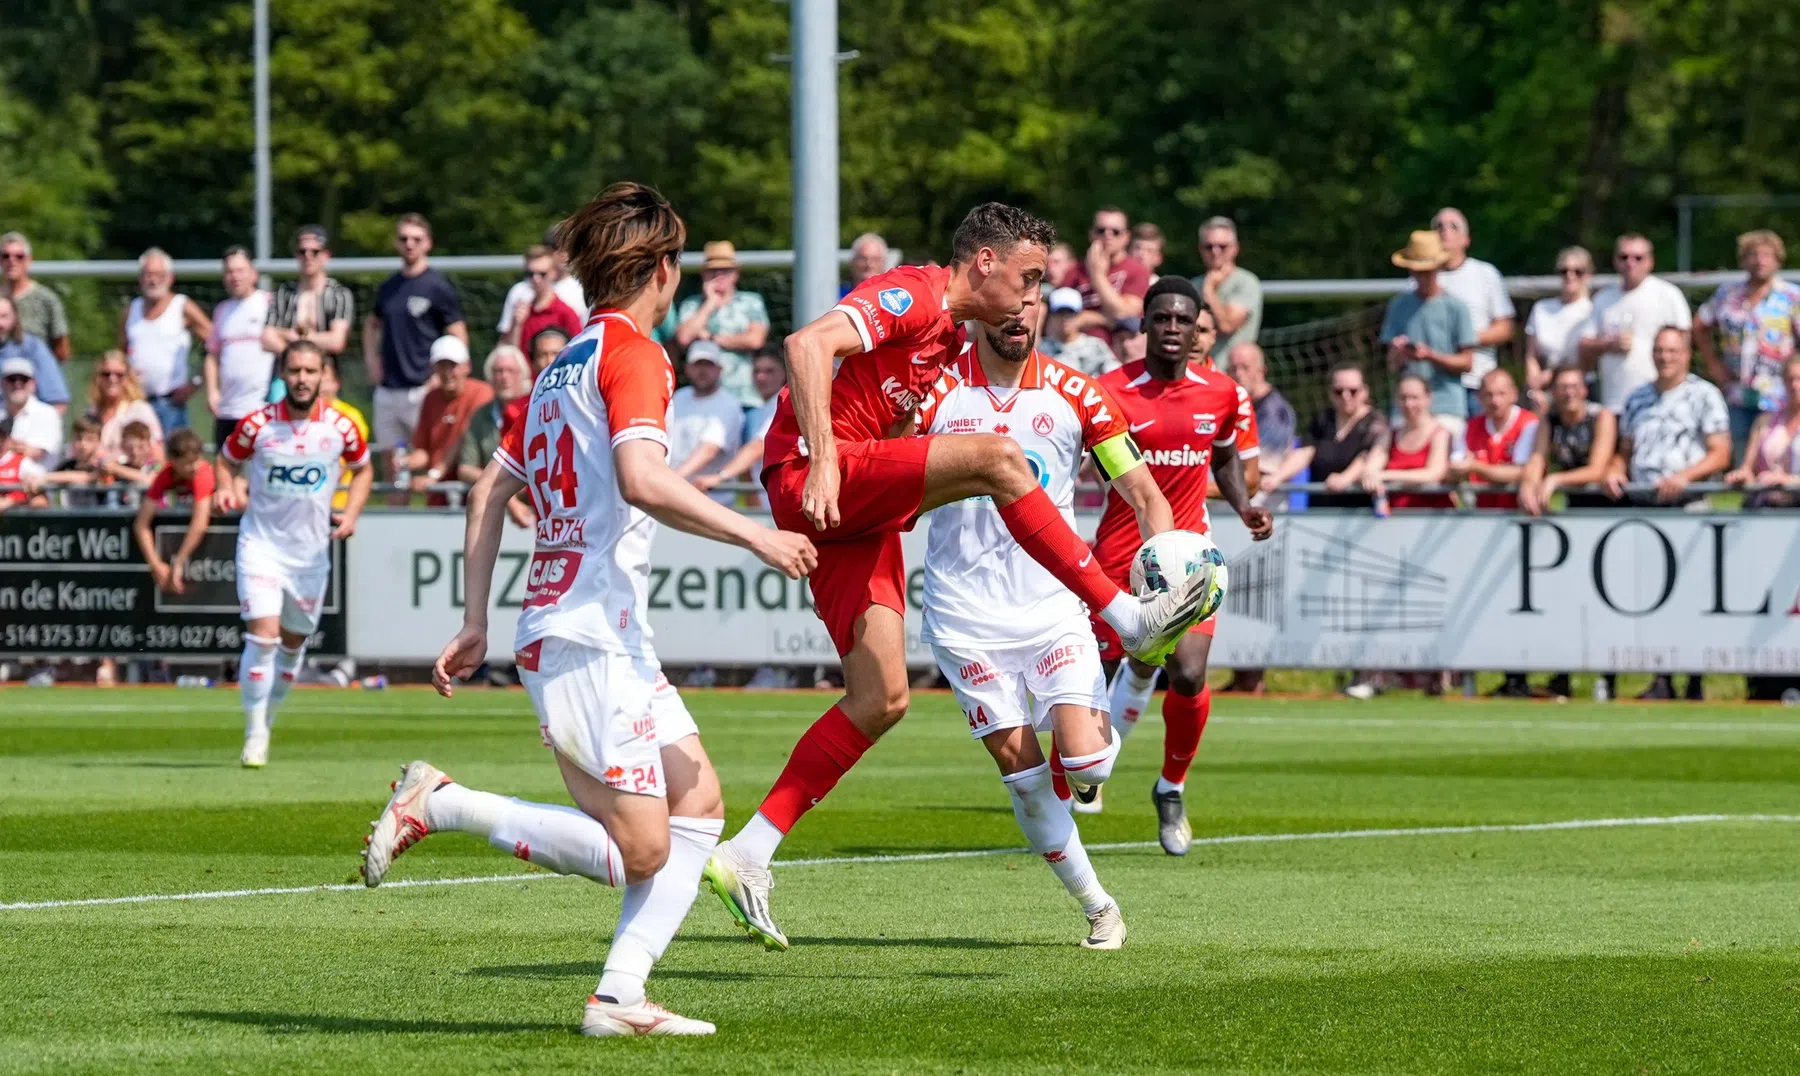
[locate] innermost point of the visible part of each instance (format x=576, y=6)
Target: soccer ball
x=1167, y=559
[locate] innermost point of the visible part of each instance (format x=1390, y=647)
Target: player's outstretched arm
x=1141, y=492
x=1228, y=471
x=810, y=352
x=481, y=547
x=648, y=483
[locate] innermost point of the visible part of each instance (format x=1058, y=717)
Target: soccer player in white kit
x=1014, y=643
x=290, y=454
x=593, y=452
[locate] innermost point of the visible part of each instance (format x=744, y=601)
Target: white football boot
x=744, y=887
x=1168, y=615
x=606, y=1019
x=256, y=749
x=1106, y=929
x=402, y=821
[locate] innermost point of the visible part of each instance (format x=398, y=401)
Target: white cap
x=1065, y=299
x=18, y=364
x=449, y=349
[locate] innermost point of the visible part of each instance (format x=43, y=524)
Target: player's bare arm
x=481, y=546
x=1228, y=471
x=362, y=480
x=810, y=352
x=226, y=496
x=1146, y=499
x=648, y=484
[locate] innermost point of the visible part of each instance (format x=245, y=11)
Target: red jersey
x=1127, y=276
x=166, y=482
x=903, y=317
x=1512, y=443
x=1176, y=424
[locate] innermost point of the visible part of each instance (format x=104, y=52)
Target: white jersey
x=981, y=588
x=589, y=580
x=245, y=369
x=292, y=464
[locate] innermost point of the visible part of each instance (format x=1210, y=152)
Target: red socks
x=1184, y=718
x=1045, y=535
x=824, y=754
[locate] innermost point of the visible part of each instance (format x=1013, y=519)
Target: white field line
x=977, y=853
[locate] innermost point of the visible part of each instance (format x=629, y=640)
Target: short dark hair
x=772, y=352
x=315, y=231
x=1000, y=228
x=417, y=219
x=234, y=250
x=1172, y=285
x=183, y=445
x=301, y=345
x=84, y=424
x=1147, y=232
x=549, y=331
x=132, y=430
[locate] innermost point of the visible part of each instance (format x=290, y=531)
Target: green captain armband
x=1116, y=455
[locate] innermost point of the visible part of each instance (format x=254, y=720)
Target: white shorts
x=611, y=714
x=396, y=415
x=1016, y=686
x=268, y=586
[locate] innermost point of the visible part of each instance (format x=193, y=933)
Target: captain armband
x=1117, y=455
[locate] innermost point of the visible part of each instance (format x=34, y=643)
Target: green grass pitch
x=1654, y=948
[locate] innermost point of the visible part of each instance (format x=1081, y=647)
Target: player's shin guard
x=654, y=909
x=1050, y=831
x=824, y=754
x=287, y=666
x=256, y=680
x=560, y=838
x=1184, y=719
x=1038, y=526
x=1129, y=698
x=1089, y=770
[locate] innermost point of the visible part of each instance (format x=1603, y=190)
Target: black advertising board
x=73, y=584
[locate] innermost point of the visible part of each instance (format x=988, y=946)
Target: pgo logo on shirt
x=1043, y=424
x=896, y=301
x=296, y=478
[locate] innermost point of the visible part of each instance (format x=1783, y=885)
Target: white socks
x=1125, y=615
x=1050, y=831
x=758, y=840
x=562, y=839
x=1130, y=697
x=256, y=680
x=287, y=666
x=1094, y=769
x=655, y=908
x=1164, y=785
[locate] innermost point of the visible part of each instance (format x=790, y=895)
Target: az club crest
x=1205, y=424
x=896, y=301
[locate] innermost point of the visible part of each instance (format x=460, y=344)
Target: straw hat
x=1423, y=250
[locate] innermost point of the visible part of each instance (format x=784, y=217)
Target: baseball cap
x=706, y=351
x=1065, y=299
x=1129, y=325
x=18, y=364
x=449, y=349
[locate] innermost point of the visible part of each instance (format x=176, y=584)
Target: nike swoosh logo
x=1136, y=426
x=1084, y=561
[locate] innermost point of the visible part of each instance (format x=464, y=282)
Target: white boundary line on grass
x=976, y=853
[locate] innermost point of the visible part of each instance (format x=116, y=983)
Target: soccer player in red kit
x=843, y=468
x=1184, y=417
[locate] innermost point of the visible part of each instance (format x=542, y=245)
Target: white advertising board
x=1602, y=591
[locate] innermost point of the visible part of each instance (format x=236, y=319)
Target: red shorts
x=881, y=487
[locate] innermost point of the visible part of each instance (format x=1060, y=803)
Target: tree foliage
x=1328, y=130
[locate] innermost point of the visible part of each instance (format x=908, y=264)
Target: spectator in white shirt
x=769, y=374
x=868, y=257
x=1480, y=287
x=36, y=426
x=567, y=288
x=155, y=335
x=708, y=424
x=1553, y=331
x=1674, y=429
x=1620, y=333
x=237, y=370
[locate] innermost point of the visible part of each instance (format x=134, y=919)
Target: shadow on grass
x=126, y=765
x=592, y=968
x=288, y=1023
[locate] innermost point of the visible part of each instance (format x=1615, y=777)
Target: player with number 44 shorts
x=593, y=454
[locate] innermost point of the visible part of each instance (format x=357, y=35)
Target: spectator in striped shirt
x=315, y=307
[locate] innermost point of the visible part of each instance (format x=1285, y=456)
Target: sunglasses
x=1355, y=390
x=1631, y=257
x=14, y=256
x=309, y=252
x=111, y=375
x=409, y=240
x=1098, y=230
x=17, y=379
x=538, y=274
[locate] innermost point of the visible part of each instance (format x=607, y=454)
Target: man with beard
x=1185, y=417
x=291, y=454
x=843, y=468
x=1037, y=667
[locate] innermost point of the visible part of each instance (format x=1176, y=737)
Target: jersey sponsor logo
x=905, y=399
x=1079, y=389
x=1177, y=457
x=566, y=369
x=1002, y=428
x=1146, y=424
x=1060, y=658
x=550, y=577
x=1206, y=424
x=562, y=532
x=877, y=327
x=1040, y=468
x=1043, y=424
x=976, y=672
x=1053, y=856
x=295, y=476
x=896, y=301
x=963, y=425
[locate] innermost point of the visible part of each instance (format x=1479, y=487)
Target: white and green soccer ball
x=1167, y=559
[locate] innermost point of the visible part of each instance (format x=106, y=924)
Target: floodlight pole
x=815, y=157
x=264, y=181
